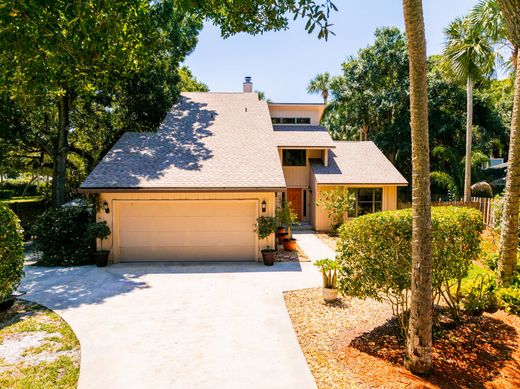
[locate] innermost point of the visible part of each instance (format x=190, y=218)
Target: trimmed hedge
x=375, y=253
x=6, y=194
x=18, y=188
x=11, y=252
x=62, y=236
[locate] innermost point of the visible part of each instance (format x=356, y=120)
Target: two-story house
x=193, y=189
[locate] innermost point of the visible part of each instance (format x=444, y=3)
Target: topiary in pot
x=266, y=226
x=287, y=217
x=329, y=270
x=11, y=256
x=101, y=231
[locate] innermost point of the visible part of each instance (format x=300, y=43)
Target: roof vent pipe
x=248, y=85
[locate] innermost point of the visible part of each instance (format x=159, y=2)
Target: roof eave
x=177, y=190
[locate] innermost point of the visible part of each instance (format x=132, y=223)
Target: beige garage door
x=187, y=231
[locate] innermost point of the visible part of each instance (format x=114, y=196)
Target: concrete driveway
x=180, y=326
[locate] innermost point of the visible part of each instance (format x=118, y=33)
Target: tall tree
x=469, y=54
x=510, y=10
x=320, y=84
x=500, y=20
x=419, y=343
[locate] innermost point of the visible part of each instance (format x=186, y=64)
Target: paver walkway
x=313, y=246
x=181, y=326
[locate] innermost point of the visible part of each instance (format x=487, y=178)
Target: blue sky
x=282, y=63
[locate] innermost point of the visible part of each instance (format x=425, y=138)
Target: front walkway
x=313, y=246
x=180, y=326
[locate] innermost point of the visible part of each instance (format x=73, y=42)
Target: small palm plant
x=329, y=270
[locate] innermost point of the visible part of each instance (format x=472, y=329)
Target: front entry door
x=294, y=196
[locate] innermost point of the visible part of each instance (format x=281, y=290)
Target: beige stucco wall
x=314, y=113
x=320, y=219
x=113, y=199
x=298, y=176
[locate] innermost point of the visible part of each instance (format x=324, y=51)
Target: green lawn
x=52, y=361
x=26, y=199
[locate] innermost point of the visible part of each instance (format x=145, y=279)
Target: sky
x=282, y=63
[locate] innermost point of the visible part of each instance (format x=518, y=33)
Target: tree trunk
x=60, y=152
x=325, y=95
x=419, y=340
x=509, y=233
x=469, y=128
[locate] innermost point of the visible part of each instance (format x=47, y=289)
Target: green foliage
x=481, y=189
x=11, y=252
x=21, y=188
x=375, y=255
x=99, y=230
x=443, y=185
x=370, y=101
x=338, y=202
x=6, y=194
x=286, y=216
x=28, y=212
x=320, y=84
x=266, y=226
x=481, y=296
x=329, y=270
x=189, y=83
x=509, y=299
x=62, y=236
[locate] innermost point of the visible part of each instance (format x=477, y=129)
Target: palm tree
x=500, y=19
x=419, y=340
x=320, y=84
x=469, y=54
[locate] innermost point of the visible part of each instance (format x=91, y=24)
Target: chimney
x=248, y=85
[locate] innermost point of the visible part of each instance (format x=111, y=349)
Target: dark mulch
x=483, y=352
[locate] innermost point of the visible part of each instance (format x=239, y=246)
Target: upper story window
x=291, y=120
x=368, y=200
x=294, y=157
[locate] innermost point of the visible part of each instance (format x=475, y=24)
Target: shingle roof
x=302, y=136
x=208, y=140
x=357, y=163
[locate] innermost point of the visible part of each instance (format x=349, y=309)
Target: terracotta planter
x=289, y=244
x=282, y=236
x=280, y=230
x=101, y=258
x=268, y=256
x=330, y=295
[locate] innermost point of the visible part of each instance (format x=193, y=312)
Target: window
x=291, y=120
x=368, y=200
x=294, y=158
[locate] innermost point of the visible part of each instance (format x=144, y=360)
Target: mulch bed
x=291, y=256
x=355, y=343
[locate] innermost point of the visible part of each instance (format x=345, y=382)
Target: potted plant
x=100, y=231
x=329, y=270
x=266, y=226
x=287, y=217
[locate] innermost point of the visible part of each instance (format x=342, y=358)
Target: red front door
x=294, y=197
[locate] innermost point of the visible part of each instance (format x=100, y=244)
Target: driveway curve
x=206, y=325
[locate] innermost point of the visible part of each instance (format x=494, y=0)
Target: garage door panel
x=179, y=224
x=184, y=238
x=187, y=230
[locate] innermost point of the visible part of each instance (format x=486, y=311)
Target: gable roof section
x=357, y=163
x=302, y=136
x=208, y=141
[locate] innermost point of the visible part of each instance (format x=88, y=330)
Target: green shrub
x=509, y=299
x=375, y=253
x=338, y=203
x=28, y=212
x=11, y=252
x=266, y=226
x=21, y=187
x=481, y=296
x=62, y=236
x=6, y=194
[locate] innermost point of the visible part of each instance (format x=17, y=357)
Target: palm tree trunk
x=419, y=337
x=509, y=233
x=469, y=128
